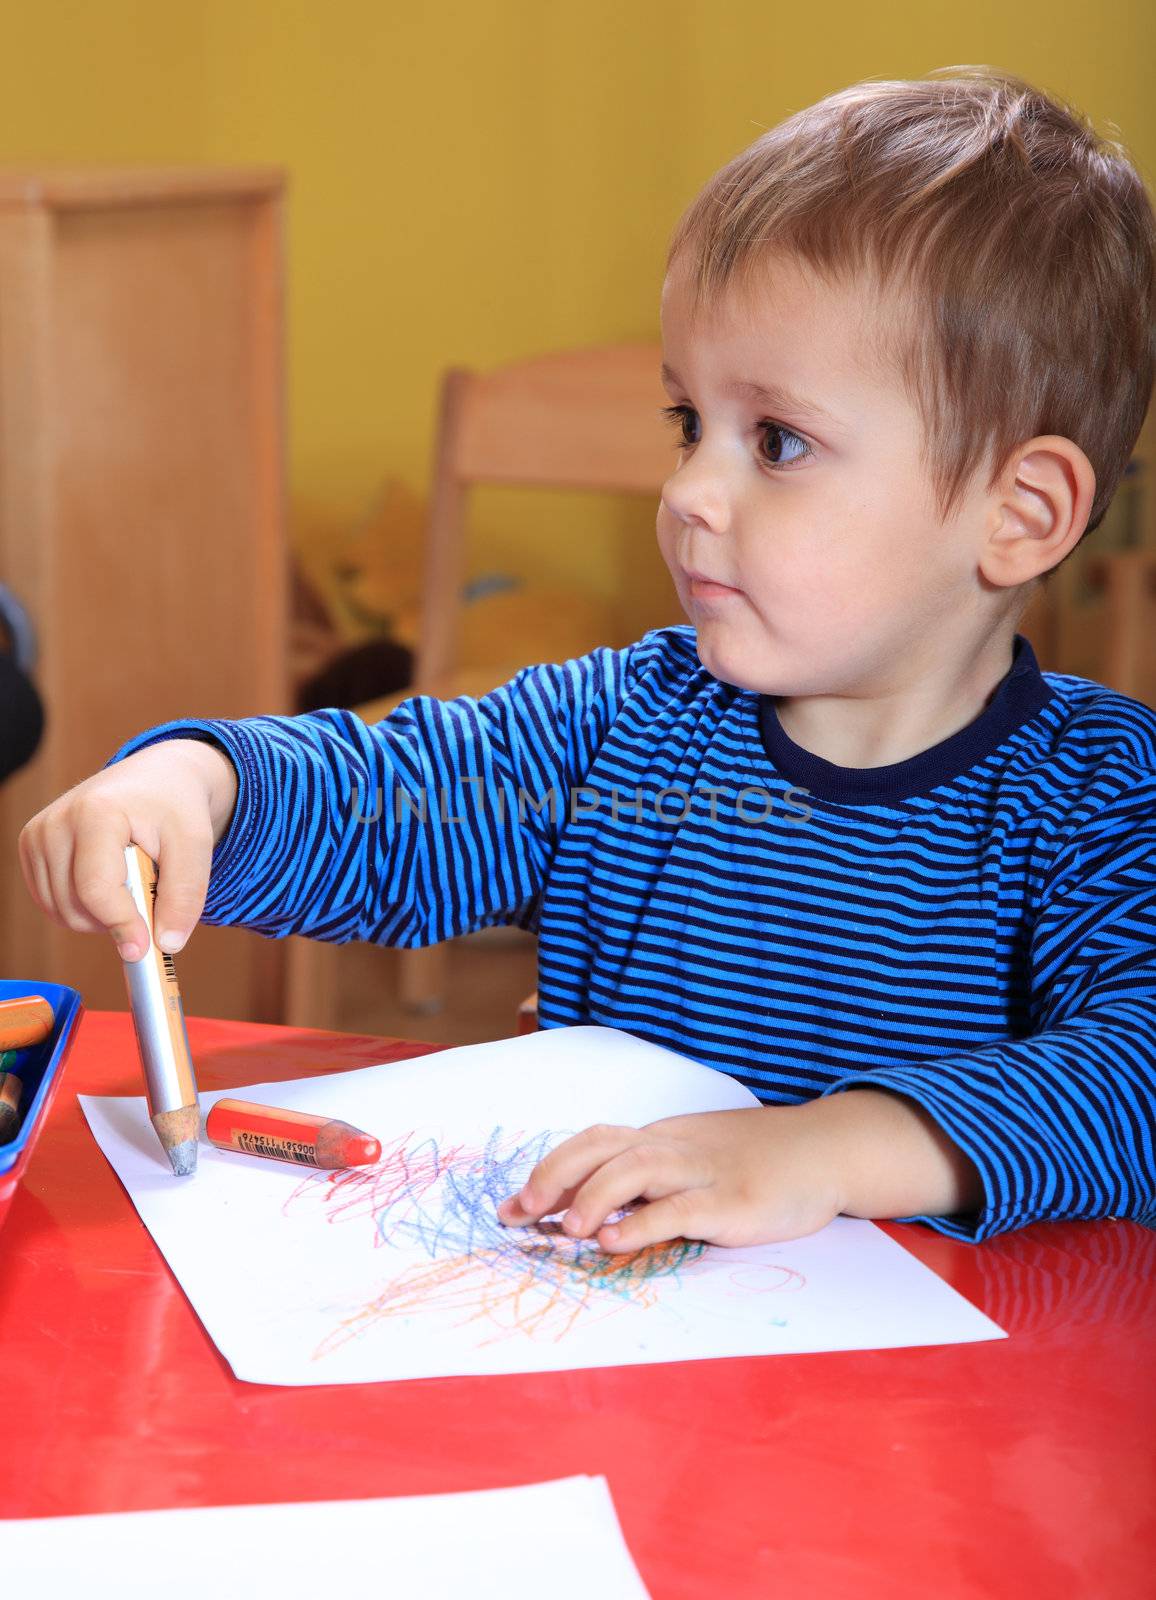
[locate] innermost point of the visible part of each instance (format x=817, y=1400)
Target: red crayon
x=289, y=1135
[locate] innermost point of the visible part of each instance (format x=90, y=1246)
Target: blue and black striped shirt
x=974, y=927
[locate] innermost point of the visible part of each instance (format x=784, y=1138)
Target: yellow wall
x=470, y=182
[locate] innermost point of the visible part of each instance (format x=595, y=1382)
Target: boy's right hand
x=174, y=799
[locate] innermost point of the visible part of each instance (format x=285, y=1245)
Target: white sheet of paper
x=490, y=1544
x=402, y=1270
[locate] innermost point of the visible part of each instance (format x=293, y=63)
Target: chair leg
x=311, y=983
x=528, y=1014
x=421, y=978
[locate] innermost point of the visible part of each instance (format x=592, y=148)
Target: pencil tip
x=178, y=1132
x=184, y=1158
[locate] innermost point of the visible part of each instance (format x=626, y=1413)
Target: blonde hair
x=1023, y=246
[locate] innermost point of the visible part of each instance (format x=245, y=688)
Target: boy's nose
x=697, y=497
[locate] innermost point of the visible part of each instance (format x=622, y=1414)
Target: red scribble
x=766, y=1277
x=401, y=1173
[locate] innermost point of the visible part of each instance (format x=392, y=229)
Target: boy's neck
x=919, y=710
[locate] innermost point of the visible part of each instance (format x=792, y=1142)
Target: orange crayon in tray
x=25, y=1021
x=283, y=1135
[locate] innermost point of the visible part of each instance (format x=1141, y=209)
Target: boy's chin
x=724, y=656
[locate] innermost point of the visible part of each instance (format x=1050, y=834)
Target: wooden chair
x=528, y=1013
x=576, y=419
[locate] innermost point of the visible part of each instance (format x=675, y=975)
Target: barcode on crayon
x=259, y=1144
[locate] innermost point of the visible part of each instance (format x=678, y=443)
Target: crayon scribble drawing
x=441, y=1200
x=402, y=1270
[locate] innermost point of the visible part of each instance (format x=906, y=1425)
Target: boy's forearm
x=893, y=1158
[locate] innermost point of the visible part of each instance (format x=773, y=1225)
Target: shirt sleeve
x=438, y=820
x=1061, y=1124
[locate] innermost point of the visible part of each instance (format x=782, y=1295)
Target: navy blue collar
x=1020, y=694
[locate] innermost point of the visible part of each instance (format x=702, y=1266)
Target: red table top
x=1021, y=1466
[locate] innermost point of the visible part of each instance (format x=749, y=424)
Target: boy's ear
x=1040, y=507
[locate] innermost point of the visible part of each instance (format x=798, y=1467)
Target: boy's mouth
x=701, y=587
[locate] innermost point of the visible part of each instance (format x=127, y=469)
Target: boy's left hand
x=744, y=1177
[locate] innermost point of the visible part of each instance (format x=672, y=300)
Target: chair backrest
x=574, y=419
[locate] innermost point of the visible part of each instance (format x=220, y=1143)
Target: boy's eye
x=774, y=433
x=682, y=415
x=780, y=440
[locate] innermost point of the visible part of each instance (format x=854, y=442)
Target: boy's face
x=839, y=575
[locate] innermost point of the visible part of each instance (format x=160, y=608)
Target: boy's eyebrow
x=775, y=395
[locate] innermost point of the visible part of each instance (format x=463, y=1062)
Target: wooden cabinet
x=142, y=503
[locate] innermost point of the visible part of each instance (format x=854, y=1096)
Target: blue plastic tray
x=41, y=1074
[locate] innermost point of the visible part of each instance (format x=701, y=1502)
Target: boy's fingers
x=52, y=864
x=559, y=1173
x=516, y=1210
x=99, y=892
x=648, y=1171
x=678, y=1216
x=182, y=886
x=512, y=1212
x=59, y=904
x=35, y=869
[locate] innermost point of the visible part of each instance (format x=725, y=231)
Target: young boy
x=839, y=837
